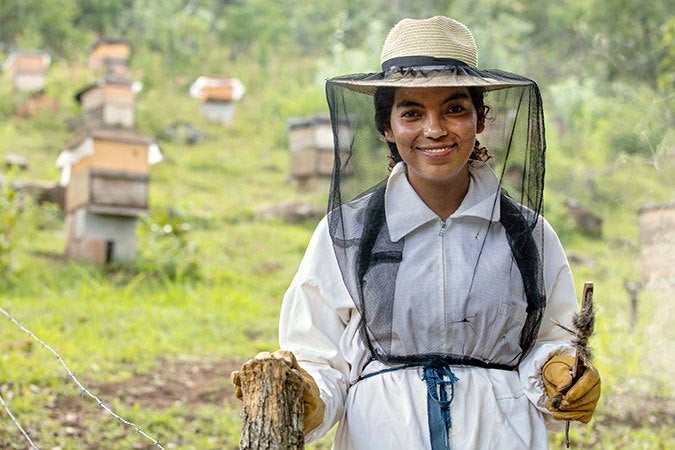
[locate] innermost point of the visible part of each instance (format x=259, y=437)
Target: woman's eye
x=411, y=113
x=456, y=109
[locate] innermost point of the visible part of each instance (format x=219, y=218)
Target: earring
x=480, y=153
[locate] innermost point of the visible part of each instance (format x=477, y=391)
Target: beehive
x=108, y=172
x=100, y=238
x=108, y=103
x=28, y=70
x=217, y=97
x=109, y=53
x=310, y=143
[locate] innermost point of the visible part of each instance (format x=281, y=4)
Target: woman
x=422, y=314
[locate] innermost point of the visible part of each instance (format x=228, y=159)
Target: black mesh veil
x=369, y=260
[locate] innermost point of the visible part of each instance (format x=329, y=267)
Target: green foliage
x=10, y=219
x=625, y=34
x=617, y=40
x=166, y=249
x=31, y=25
x=20, y=218
x=666, y=66
x=602, y=134
x=103, y=17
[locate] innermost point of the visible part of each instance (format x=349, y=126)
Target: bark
x=272, y=406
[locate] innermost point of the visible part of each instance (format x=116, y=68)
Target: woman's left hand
x=573, y=399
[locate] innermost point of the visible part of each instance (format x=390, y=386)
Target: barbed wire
x=16, y=422
x=82, y=389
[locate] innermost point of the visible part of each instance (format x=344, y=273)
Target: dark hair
x=384, y=102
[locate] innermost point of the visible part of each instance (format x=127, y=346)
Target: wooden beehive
x=657, y=244
x=100, y=238
x=310, y=143
x=217, y=97
x=108, y=192
x=110, y=173
x=108, y=54
x=28, y=70
x=108, y=103
x=218, y=111
x=218, y=93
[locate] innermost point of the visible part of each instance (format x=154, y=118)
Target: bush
x=18, y=219
x=165, y=250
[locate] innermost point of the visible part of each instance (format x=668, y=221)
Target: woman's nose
x=434, y=127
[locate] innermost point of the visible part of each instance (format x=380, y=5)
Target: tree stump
x=272, y=406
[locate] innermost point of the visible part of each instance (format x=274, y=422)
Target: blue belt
x=437, y=378
x=438, y=404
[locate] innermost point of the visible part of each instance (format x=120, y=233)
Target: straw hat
x=433, y=52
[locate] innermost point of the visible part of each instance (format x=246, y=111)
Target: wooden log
x=272, y=406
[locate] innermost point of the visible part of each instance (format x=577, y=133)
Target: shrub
x=18, y=219
x=165, y=250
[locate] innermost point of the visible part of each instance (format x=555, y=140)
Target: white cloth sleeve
x=561, y=304
x=314, y=314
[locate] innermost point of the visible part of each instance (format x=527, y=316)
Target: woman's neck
x=443, y=198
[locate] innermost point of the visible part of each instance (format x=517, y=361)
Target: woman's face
x=434, y=130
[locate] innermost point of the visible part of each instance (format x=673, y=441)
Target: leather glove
x=313, y=405
x=576, y=399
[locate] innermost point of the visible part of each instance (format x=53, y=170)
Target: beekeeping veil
x=429, y=53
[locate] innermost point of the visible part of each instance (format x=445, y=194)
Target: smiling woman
x=422, y=312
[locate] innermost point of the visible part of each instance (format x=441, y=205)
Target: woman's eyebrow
x=456, y=96
x=407, y=104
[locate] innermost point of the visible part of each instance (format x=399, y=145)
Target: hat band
x=401, y=62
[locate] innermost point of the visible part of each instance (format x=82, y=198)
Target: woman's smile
x=437, y=152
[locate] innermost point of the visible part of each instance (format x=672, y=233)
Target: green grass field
x=156, y=339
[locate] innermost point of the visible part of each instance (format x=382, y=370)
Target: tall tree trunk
x=272, y=406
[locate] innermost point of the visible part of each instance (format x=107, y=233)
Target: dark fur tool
x=583, y=323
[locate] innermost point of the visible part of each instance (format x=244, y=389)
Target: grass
x=208, y=297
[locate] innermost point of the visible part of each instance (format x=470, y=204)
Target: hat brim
x=487, y=79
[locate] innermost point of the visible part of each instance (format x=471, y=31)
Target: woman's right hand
x=313, y=405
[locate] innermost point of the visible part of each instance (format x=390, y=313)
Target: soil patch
x=184, y=382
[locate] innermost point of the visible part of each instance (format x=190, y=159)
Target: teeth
x=436, y=150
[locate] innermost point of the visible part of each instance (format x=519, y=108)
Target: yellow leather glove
x=574, y=401
x=313, y=405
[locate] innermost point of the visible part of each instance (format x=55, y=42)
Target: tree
x=103, y=17
x=628, y=37
x=39, y=25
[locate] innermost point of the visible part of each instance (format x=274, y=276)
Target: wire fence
x=16, y=422
x=83, y=390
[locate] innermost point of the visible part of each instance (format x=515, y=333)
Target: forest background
x=156, y=338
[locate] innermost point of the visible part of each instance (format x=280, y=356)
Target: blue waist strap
x=437, y=378
x=438, y=404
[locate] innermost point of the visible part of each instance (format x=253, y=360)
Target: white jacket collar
x=406, y=211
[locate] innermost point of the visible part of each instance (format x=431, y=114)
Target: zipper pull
x=444, y=225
